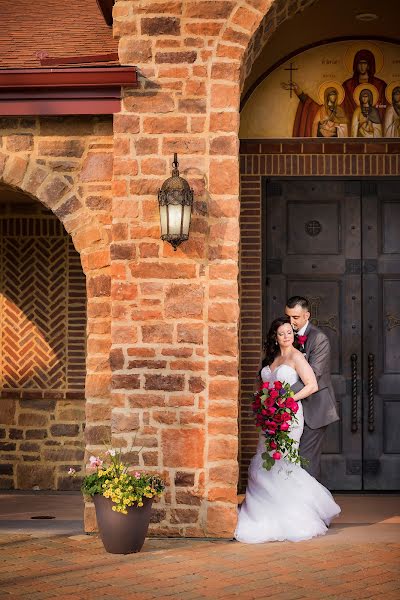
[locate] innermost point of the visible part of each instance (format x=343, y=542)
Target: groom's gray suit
x=319, y=408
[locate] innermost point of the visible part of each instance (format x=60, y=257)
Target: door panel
x=313, y=238
x=381, y=290
x=338, y=243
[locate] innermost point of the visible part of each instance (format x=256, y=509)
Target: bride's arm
x=307, y=376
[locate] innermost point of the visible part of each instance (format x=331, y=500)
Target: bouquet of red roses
x=275, y=411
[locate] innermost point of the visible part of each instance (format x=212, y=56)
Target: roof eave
x=67, y=90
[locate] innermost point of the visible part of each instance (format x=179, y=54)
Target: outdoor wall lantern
x=175, y=199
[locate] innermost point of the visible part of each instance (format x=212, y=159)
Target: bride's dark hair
x=271, y=348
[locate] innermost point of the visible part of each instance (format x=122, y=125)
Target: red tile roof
x=33, y=28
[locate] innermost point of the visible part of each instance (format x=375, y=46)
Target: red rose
x=278, y=385
x=284, y=426
x=269, y=402
x=295, y=407
x=270, y=411
x=272, y=445
x=276, y=455
x=265, y=385
x=302, y=339
x=273, y=394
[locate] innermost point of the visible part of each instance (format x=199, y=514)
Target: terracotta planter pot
x=122, y=534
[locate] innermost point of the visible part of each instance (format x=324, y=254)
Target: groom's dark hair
x=298, y=301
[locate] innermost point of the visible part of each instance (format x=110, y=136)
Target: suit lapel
x=308, y=332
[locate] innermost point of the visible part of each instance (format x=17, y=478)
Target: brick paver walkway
x=348, y=563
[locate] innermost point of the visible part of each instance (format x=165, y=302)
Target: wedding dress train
x=285, y=503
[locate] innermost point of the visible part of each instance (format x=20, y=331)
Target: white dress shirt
x=302, y=330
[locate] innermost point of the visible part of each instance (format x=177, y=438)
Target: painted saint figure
x=366, y=121
x=308, y=110
x=392, y=116
x=326, y=119
x=364, y=68
x=330, y=121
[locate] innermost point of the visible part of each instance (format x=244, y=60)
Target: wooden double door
x=337, y=242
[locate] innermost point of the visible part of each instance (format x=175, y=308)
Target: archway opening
x=266, y=161
x=43, y=348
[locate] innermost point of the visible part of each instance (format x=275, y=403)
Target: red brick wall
x=258, y=159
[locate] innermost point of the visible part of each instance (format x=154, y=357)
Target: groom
x=319, y=408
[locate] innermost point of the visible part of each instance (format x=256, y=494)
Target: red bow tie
x=302, y=339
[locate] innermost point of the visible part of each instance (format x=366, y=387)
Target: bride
x=285, y=503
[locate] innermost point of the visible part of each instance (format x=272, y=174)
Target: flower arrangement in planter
x=122, y=500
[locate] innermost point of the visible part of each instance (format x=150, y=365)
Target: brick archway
x=63, y=175
x=58, y=193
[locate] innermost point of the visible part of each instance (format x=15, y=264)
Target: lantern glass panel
x=187, y=213
x=175, y=219
x=164, y=219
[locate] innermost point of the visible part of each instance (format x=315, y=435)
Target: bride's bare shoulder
x=298, y=357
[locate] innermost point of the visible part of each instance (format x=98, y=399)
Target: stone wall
x=41, y=439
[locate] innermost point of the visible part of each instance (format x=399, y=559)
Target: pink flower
x=265, y=385
x=284, y=427
x=95, y=461
x=276, y=456
x=71, y=471
x=137, y=474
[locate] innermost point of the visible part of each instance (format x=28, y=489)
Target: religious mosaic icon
x=330, y=91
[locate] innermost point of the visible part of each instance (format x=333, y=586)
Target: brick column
x=175, y=315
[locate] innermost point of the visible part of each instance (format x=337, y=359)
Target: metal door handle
x=371, y=397
x=354, y=424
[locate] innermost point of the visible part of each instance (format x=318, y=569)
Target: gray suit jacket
x=319, y=408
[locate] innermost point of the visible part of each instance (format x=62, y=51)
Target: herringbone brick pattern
x=67, y=568
x=33, y=312
x=42, y=308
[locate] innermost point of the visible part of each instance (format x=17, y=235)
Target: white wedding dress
x=285, y=503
